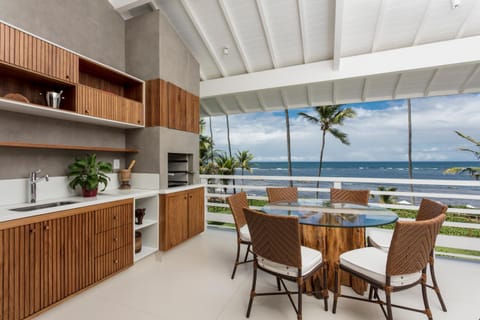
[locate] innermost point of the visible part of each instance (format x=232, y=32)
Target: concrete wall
x=18, y=162
x=142, y=46
x=154, y=50
x=89, y=27
x=177, y=64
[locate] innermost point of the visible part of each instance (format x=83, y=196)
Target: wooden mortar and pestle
x=125, y=175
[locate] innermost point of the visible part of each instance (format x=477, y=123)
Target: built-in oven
x=180, y=169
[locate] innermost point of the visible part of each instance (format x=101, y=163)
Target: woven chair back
x=350, y=196
x=430, y=209
x=282, y=194
x=276, y=238
x=237, y=202
x=411, y=245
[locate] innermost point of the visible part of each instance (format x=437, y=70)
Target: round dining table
x=333, y=228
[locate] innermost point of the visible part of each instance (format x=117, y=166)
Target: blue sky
x=378, y=133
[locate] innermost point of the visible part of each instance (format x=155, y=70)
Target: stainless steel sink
x=44, y=206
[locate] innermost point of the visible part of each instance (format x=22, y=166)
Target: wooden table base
x=332, y=242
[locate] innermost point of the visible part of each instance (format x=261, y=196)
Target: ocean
x=372, y=169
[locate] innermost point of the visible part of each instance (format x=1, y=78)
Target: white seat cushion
x=311, y=258
x=382, y=238
x=372, y=263
x=245, y=233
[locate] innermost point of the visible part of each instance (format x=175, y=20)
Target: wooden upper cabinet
x=168, y=105
x=156, y=103
x=23, y=50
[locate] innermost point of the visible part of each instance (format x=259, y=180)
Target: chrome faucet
x=32, y=185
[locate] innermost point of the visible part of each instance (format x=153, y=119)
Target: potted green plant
x=88, y=173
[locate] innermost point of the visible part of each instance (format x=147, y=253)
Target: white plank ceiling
x=298, y=53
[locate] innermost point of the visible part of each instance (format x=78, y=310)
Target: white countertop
x=102, y=197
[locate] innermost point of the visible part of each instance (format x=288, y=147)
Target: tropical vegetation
x=328, y=118
x=213, y=161
x=473, y=171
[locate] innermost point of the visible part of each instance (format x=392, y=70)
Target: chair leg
x=246, y=253
x=325, y=286
x=337, y=289
x=388, y=292
x=435, y=285
x=236, y=260
x=252, y=292
x=278, y=284
x=370, y=293
x=424, y=295
x=299, y=304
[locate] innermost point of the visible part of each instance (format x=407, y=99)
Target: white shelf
x=146, y=223
x=43, y=111
x=146, y=251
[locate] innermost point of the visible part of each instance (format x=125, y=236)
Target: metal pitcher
x=54, y=98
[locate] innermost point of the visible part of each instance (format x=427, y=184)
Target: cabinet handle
x=32, y=230
x=115, y=239
x=185, y=198
x=67, y=76
x=46, y=228
x=86, y=111
x=114, y=217
x=115, y=261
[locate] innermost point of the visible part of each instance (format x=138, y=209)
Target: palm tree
x=327, y=118
x=243, y=160
x=473, y=171
x=225, y=165
x=289, y=153
x=410, y=169
x=386, y=198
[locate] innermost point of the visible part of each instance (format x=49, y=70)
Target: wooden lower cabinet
x=181, y=216
x=44, y=259
x=113, y=238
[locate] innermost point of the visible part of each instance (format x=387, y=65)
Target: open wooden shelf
x=42, y=111
x=10, y=144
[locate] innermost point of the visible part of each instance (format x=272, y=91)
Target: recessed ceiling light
x=226, y=51
x=455, y=4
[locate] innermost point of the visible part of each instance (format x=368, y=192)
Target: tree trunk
x=228, y=137
x=289, y=153
x=321, y=161
x=230, y=150
x=410, y=169
x=211, y=140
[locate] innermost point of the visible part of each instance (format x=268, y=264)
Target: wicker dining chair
x=428, y=209
x=282, y=194
x=350, y=196
x=277, y=251
x=237, y=202
x=402, y=267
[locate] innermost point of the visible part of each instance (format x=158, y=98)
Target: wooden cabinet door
x=175, y=213
x=192, y=113
x=7, y=44
x=196, y=216
x=28, y=52
x=173, y=105
x=78, y=259
x=20, y=271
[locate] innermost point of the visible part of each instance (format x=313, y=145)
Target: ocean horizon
x=371, y=169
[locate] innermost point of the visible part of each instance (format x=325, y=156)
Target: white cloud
x=375, y=134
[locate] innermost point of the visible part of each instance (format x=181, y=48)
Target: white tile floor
x=192, y=281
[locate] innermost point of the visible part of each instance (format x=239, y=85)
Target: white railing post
x=337, y=185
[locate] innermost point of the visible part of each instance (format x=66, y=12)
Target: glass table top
x=326, y=214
